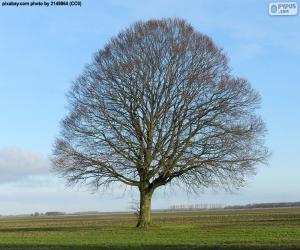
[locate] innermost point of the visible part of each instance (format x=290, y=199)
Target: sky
x=42, y=50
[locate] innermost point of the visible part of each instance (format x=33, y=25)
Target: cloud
x=18, y=164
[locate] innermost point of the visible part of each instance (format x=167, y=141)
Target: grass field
x=240, y=229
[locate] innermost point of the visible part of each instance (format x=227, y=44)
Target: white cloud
x=17, y=164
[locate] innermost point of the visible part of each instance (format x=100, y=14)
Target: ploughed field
x=234, y=229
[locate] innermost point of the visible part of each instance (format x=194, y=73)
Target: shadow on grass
x=140, y=247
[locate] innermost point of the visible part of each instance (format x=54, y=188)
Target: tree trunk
x=144, y=219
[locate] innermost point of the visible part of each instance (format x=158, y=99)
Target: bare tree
x=158, y=105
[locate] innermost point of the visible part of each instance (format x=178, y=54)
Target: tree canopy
x=159, y=105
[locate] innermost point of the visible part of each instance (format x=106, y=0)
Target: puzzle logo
x=283, y=8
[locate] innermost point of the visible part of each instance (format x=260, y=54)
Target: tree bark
x=144, y=219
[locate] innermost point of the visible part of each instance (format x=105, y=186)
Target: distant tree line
x=57, y=213
x=196, y=206
x=48, y=214
x=205, y=206
x=265, y=205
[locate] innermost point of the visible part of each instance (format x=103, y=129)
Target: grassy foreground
x=240, y=229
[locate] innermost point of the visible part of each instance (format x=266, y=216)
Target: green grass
x=240, y=229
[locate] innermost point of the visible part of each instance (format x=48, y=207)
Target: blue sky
x=43, y=49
